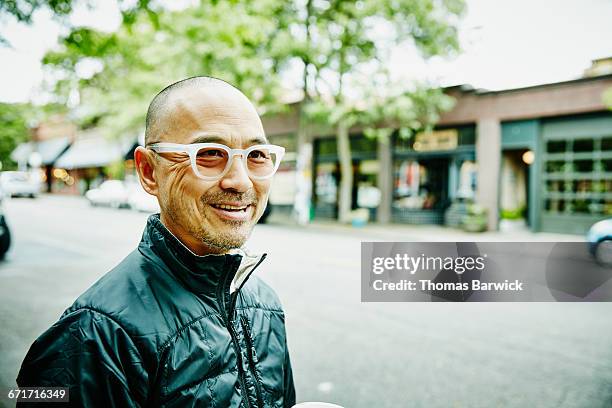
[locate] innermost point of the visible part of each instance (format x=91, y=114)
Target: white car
x=20, y=183
x=111, y=192
x=140, y=200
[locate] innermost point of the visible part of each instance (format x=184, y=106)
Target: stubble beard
x=233, y=236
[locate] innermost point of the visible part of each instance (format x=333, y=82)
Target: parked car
x=20, y=183
x=599, y=239
x=110, y=193
x=5, y=232
x=140, y=200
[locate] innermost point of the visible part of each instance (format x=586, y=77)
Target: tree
x=341, y=56
x=16, y=122
x=23, y=10
x=14, y=130
x=222, y=39
x=252, y=44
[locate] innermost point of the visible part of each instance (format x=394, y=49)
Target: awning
x=94, y=150
x=49, y=150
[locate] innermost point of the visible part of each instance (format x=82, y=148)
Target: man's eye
x=208, y=153
x=258, y=154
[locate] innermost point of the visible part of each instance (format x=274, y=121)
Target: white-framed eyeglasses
x=211, y=161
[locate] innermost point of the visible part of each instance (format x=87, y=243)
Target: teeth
x=230, y=207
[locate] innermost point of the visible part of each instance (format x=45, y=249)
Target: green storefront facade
x=537, y=158
x=570, y=179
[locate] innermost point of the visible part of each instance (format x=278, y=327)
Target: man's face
x=191, y=207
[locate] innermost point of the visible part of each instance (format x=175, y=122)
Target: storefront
x=521, y=159
x=576, y=172
x=431, y=172
x=283, y=191
x=90, y=160
x=48, y=152
x=326, y=176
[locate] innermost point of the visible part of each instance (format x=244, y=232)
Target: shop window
x=582, y=186
x=468, y=173
x=363, y=144
x=467, y=136
x=554, y=205
x=554, y=186
x=580, y=206
x=422, y=184
x=574, y=180
x=583, y=145
x=597, y=207
x=326, y=183
x=368, y=194
x=556, y=146
x=583, y=166
x=555, y=166
x=607, y=208
x=327, y=147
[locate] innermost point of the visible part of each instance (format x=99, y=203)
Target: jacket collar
x=204, y=275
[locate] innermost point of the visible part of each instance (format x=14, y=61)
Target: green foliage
x=340, y=42
x=221, y=39
x=13, y=130
x=514, y=214
x=115, y=170
x=23, y=10
x=475, y=220
x=249, y=44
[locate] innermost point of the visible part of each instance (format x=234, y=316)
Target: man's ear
x=145, y=166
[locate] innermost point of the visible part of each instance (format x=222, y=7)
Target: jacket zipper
x=246, y=328
x=234, y=336
x=230, y=328
x=241, y=372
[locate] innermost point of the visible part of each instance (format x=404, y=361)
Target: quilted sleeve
x=93, y=356
x=289, y=399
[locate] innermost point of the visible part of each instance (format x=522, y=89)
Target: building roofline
x=466, y=88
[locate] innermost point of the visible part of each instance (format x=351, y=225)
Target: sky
x=505, y=44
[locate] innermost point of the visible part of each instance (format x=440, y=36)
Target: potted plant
x=475, y=220
x=512, y=219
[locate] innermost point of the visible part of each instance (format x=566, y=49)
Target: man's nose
x=237, y=177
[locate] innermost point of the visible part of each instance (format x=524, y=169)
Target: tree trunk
x=346, y=173
x=303, y=174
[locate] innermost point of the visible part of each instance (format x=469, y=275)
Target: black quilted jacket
x=163, y=330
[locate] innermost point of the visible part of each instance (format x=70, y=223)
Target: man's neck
x=193, y=244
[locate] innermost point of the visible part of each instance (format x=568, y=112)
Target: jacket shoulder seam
x=98, y=311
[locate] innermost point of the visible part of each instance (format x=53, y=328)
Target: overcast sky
x=506, y=44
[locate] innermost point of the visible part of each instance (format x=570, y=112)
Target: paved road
x=343, y=351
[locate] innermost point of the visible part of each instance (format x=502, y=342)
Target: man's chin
x=227, y=237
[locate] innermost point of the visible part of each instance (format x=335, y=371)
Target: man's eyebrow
x=258, y=140
x=222, y=140
x=208, y=139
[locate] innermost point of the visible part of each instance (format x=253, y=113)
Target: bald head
x=194, y=98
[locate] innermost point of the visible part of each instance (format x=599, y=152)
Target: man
x=181, y=321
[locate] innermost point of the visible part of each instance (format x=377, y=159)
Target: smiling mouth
x=231, y=208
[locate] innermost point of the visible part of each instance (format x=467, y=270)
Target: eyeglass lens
x=212, y=161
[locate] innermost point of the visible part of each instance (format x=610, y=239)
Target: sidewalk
x=403, y=232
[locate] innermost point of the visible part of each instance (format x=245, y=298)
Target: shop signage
x=436, y=140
